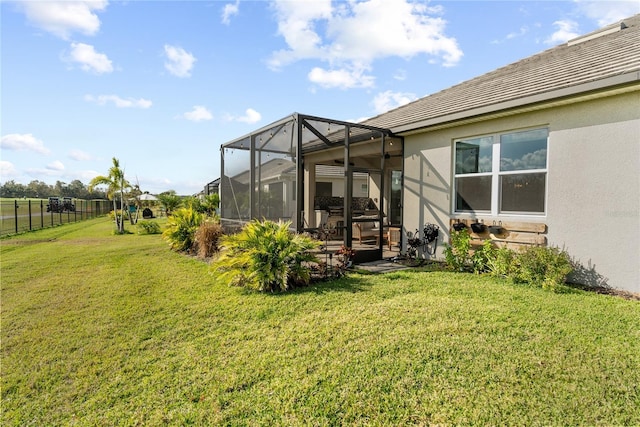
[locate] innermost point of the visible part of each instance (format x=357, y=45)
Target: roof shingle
x=564, y=66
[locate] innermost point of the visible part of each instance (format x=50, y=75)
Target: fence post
x=30, y=228
x=15, y=213
x=41, y=214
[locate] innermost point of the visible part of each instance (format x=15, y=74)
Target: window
x=502, y=174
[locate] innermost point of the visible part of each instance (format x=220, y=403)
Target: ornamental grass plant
x=265, y=256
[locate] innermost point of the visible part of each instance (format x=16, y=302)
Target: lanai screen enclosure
x=275, y=173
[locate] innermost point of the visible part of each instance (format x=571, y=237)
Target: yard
x=100, y=329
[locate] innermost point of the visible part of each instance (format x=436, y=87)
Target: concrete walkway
x=381, y=266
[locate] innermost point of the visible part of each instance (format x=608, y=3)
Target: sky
x=161, y=85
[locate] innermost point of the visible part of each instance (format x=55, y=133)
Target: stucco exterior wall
x=593, y=183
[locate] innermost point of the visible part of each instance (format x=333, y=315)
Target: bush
x=481, y=256
x=265, y=256
x=541, y=266
x=206, y=238
x=499, y=263
x=148, y=227
x=112, y=216
x=457, y=254
x=181, y=228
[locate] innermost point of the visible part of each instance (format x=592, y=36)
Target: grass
x=99, y=329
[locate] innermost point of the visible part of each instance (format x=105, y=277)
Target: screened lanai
x=341, y=181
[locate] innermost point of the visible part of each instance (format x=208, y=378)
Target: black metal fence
x=25, y=215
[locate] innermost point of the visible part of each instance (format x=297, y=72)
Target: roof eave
x=533, y=102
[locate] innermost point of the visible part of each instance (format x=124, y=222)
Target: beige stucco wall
x=593, y=185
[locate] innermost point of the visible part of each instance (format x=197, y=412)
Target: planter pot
x=478, y=227
x=496, y=229
x=459, y=226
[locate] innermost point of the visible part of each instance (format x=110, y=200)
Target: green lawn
x=99, y=329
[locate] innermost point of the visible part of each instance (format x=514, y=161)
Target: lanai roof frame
x=295, y=136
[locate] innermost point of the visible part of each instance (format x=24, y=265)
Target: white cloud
x=357, y=33
x=535, y=160
x=296, y=23
x=56, y=165
x=23, y=142
x=80, y=156
x=566, y=30
x=89, y=59
x=62, y=18
x=341, y=78
x=230, y=10
x=400, y=74
x=7, y=170
x=515, y=34
x=180, y=62
x=250, y=116
x=82, y=175
x=608, y=12
x=119, y=102
x=198, y=114
x=389, y=100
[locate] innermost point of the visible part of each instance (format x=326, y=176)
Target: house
x=212, y=187
x=547, y=149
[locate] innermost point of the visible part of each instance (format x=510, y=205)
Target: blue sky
x=161, y=85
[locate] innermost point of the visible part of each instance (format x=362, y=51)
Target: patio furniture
x=366, y=230
x=394, y=236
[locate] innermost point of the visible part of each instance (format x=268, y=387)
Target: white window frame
x=496, y=174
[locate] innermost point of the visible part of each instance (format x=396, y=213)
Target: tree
x=210, y=203
x=116, y=184
x=12, y=189
x=39, y=189
x=170, y=200
x=76, y=189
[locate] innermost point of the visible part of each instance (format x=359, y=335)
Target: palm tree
x=115, y=183
x=211, y=203
x=170, y=200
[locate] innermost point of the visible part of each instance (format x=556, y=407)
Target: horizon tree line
x=41, y=190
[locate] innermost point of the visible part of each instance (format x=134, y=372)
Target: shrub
x=206, y=238
x=181, y=228
x=499, y=263
x=345, y=257
x=265, y=256
x=541, y=266
x=112, y=216
x=148, y=227
x=457, y=254
x=481, y=256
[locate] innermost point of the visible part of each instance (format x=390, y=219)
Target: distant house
x=547, y=148
x=212, y=187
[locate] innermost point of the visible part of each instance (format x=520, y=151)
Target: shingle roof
x=570, y=65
